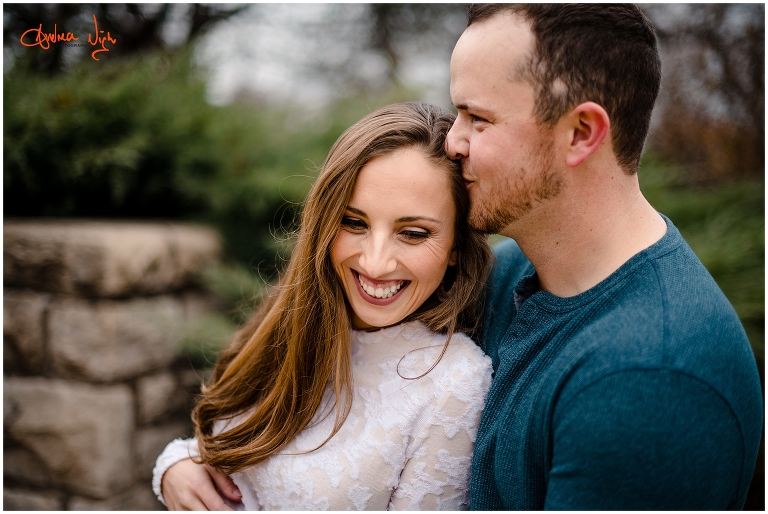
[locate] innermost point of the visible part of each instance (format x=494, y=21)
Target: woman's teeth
x=378, y=291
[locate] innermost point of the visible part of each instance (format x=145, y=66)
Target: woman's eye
x=353, y=223
x=415, y=235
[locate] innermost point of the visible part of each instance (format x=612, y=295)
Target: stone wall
x=94, y=382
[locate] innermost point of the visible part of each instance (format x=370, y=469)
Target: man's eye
x=475, y=118
x=353, y=223
x=415, y=235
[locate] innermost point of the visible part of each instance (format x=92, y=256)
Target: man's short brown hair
x=604, y=53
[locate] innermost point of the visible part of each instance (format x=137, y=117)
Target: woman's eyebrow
x=356, y=211
x=404, y=219
x=409, y=219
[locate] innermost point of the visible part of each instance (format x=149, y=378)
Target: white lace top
x=406, y=444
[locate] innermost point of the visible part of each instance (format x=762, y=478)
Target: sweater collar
x=529, y=286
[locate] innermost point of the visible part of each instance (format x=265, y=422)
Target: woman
x=343, y=391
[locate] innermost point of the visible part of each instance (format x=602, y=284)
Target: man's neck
x=589, y=231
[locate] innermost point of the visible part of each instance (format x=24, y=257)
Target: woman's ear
x=587, y=124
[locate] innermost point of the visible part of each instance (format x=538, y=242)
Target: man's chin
x=485, y=222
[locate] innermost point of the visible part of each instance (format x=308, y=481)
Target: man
x=623, y=378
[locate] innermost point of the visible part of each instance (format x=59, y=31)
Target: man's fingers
x=186, y=501
x=213, y=501
x=190, y=486
x=190, y=504
x=225, y=484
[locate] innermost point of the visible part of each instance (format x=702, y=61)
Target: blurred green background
x=139, y=134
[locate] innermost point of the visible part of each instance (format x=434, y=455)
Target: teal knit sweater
x=640, y=393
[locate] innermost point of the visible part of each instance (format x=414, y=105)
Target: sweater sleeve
x=436, y=476
x=176, y=451
x=645, y=440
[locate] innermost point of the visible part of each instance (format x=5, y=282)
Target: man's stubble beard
x=509, y=202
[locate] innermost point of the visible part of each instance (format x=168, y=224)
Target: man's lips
x=379, y=292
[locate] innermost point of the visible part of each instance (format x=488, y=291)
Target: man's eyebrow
x=472, y=107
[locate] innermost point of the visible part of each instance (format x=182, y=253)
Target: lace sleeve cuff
x=176, y=451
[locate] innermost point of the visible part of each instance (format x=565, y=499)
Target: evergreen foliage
x=136, y=138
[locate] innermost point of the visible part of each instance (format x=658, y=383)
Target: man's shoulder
x=509, y=257
x=663, y=353
x=692, y=304
x=510, y=265
x=670, y=308
x=669, y=315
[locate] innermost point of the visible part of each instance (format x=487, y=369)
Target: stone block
x=192, y=379
x=197, y=304
x=24, y=465
x=105, y=259
x=139, y=497
x=79, y=504
x=150, y=443
x=78, y=434
x=12, y=361
x=109, y=340
x=20, y=499
x=23, y=332
x=143, y=498
x=157, y=395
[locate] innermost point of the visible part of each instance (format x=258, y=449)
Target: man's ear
x=587, y=126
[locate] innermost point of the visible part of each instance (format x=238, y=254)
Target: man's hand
x=190, y=486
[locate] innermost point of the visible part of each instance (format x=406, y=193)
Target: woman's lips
x=379, y=286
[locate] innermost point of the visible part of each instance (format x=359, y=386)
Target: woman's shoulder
x=464, y=361
x=459, y=383
x=414, y=348
x=467, y=365
x=466, y=352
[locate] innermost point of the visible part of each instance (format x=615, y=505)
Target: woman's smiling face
x=396, y=237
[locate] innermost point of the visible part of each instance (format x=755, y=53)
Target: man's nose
x=377, y=257
x=456, y=142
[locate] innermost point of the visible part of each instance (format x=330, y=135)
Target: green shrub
x=136, y=138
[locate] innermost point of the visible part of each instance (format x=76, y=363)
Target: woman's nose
x=378, y=257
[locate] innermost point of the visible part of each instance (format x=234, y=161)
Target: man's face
x=506, y=156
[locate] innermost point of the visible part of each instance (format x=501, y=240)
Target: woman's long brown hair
x=297, y=344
